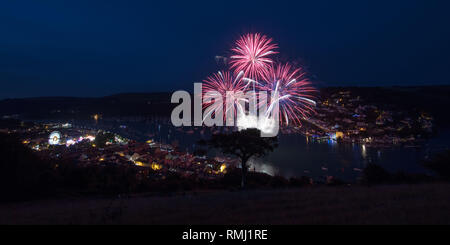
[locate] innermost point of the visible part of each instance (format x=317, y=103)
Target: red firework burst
x=251, y=55
x=295, y=93
x=216, y=87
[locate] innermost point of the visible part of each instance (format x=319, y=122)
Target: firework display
x=292, y=90
x=253, y=69
x=252, y=55
x=217, y=86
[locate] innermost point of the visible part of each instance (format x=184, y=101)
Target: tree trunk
x=244, y=172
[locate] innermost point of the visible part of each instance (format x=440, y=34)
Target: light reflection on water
x=260, y=165
x=299, y=156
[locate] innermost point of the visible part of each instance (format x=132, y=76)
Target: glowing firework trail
x=292, y=90
x=251, y=55
x=217, y=86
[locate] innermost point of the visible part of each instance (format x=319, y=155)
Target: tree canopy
x=243, y=144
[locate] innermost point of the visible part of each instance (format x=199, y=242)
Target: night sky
x=96, y=48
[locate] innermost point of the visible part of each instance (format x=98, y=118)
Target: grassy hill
x=396, y=204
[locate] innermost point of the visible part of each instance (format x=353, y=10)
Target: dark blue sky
x=93, y=48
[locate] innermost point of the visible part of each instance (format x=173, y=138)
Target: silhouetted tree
x=243, y=144
x=103, y=137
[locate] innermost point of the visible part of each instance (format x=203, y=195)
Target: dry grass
x=402, y=204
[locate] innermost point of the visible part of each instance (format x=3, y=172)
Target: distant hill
x=129, y=104
x=432, y=99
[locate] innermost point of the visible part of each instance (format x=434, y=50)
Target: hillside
x=400, y=204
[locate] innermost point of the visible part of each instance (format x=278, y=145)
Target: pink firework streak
x=294, y=92
x=252, y=55
x=219, y=84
